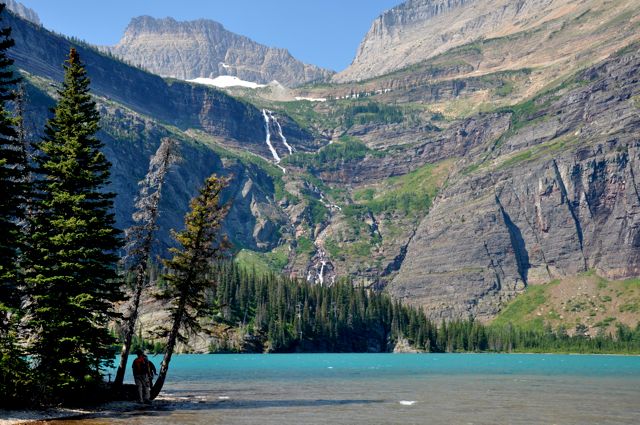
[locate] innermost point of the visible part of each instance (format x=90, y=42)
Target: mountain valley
x=456, y=170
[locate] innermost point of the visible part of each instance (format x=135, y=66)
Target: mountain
x=23, y=11
x=205, y=49
x=216, y=133
x=559, y=31
x=555, y=194
x=459, y=183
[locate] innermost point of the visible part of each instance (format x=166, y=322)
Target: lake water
x=393, y=389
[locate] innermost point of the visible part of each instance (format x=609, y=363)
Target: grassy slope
x=587, y=299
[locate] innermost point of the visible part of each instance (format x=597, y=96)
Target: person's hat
x=139, y=352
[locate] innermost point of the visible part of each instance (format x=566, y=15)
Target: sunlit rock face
x=205, y=49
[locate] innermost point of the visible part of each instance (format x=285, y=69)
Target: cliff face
x=557, y=195
x=138, y=109
x=203, y=48
x=446, y=207
x=23, y=11
x=418, y=30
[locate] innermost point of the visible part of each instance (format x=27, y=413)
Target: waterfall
x=284, y=139
x=266, y=126
x=321, y=274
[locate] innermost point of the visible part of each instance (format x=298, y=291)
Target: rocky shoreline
x=22, y=417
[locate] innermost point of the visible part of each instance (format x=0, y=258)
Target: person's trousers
x=144, y=389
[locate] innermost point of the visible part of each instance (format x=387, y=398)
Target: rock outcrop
x=417, y=30
x=138, y=109
x=204, y=48
x=558, y=195
x=512, y=197
x=23, y=11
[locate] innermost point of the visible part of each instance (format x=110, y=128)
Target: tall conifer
x=14, y=376
x=12, y=182
x=71, y=276
x=189, y=272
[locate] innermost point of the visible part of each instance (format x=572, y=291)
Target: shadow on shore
x=161, y=408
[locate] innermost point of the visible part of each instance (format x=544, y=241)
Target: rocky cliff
x=204, y=48
x=454, y=184
x=556, y=194
x=23, y=11
x=215, y=133
x=418, y=30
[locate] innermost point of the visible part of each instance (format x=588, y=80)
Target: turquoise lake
x=393, y=389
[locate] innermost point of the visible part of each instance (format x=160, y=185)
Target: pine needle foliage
x=189, y=269
x=13, y=187
x=72, y=254
x=15, y=376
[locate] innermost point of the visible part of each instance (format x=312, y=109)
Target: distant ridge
x=205, y=49
x=417, y=30
x=23, y=11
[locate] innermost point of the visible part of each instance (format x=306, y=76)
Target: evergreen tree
x=189, y=268
x=72, y=254
x=13, y=172
x=14, y=372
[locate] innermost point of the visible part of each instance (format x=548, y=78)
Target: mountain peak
x=169, y=24
x=23, y=11
x=417, y=30
x=203, y=48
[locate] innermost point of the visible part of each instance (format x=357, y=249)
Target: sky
x=320, y=32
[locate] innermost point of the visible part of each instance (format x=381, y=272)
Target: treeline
x=279, y=314
x=471, y=336
x=371, y=113
x=331, y=157
x=288, y=315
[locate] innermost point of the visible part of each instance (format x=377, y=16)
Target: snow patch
x=224, y=81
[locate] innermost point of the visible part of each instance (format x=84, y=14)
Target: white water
x=276, y=157
x=284, y=139
x=329, y=205
x=321, y=274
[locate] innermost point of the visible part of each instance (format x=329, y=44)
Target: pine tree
x=72, y=254
x=140, y=239
x=13, y=189
x=14, y=371
x=190, y=267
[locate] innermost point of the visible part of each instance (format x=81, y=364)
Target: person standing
x=152, y=370
x=140, y=368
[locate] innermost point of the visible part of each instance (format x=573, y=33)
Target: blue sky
x=321, y=32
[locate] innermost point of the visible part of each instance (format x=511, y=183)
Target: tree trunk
x=171, y=343
x=148, y=205
x=131, y=324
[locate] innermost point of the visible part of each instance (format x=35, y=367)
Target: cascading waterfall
x=329, y=205
x=321, y=274
x=318, y=272
x=284, y=139
x=266, y=114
